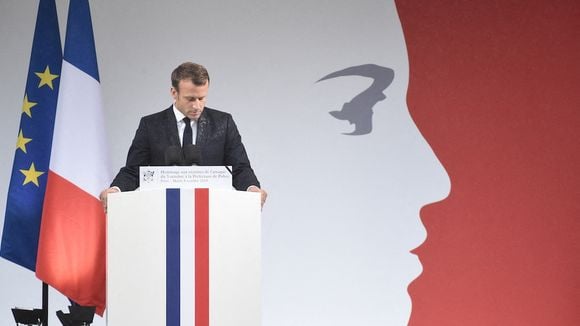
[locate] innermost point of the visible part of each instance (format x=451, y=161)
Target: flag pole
x=44, y=304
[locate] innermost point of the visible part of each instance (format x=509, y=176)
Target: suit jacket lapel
x=171, y=126
x=202, y=126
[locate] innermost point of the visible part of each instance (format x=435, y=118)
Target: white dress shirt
x=181, y=125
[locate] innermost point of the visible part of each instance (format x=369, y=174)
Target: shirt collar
x=178, y=115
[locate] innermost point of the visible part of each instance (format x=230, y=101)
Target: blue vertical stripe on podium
x=173, y=257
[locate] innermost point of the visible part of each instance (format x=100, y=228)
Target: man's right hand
x=104, y=194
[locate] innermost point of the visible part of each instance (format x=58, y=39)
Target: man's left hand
x=263, y=193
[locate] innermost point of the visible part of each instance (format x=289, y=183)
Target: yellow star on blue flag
x=27, y=105
x=46, y=78
x=22, y=141
x=31, y=175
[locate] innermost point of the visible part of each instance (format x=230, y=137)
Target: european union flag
x=34, y=141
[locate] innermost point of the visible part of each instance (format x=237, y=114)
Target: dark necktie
x=187, y=133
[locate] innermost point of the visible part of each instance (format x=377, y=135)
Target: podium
x=184, y=257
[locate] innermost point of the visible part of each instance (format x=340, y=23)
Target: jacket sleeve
x=139, y=155
x=236, y=156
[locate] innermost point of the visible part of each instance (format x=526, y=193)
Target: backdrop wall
x=343, y=213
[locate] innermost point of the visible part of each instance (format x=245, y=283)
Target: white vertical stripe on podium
x=187, y=261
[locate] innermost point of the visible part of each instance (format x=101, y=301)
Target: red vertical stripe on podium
x=201, y=257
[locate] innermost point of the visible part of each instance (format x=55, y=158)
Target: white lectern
x=183, y=257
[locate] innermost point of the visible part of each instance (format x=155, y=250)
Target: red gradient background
x=495, y=90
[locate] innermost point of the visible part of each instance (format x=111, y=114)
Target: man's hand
x=263, y=193
x=103, y=196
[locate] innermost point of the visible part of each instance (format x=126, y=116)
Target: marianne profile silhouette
x=502, y=115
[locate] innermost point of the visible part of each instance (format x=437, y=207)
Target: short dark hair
x=189, y=71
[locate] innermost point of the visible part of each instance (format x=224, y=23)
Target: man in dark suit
x=187, y=121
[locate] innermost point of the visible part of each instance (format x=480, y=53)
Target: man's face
x=190, y=98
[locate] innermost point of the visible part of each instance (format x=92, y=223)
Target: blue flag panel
x=80, y=41
x=34, y=141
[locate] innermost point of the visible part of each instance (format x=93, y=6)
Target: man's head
x=190, y=84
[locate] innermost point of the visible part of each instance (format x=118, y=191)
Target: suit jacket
x=217, y=138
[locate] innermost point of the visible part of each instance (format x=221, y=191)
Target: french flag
x=184, y=257
x=71, y=254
